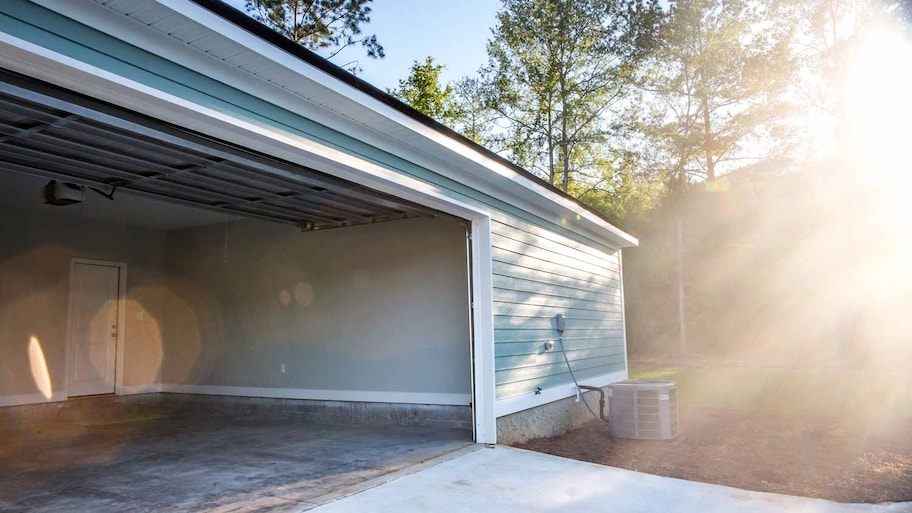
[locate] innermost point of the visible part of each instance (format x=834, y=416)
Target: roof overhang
x=208, y=37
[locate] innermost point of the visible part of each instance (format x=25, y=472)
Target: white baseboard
x=323, y=395
x=528, y=400
x=139, y=389
x=36, y=398
x=274, y=393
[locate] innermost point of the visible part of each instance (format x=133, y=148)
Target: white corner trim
x=620, y=257
x=139, y=389
x=367, y=396
x=36, y=398
x=482, y=309
x=522, y=402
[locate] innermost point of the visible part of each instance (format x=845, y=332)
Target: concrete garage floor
x=154, y=462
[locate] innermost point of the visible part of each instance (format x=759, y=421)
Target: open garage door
x=45, y=134
x=188, y=253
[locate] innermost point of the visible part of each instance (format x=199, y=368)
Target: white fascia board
x=476, y=170
x=529, y=400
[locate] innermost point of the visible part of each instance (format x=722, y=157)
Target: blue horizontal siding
x=575, y=348
x=530, y=386
x=537, y=276
x=508, y=317
x=509, y=266
x=540, y=336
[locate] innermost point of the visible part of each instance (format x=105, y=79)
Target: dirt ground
x=811, y=457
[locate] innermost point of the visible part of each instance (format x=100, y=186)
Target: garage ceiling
x=56, y=143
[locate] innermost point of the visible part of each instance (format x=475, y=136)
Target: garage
x=235, y=277
x=162, y=262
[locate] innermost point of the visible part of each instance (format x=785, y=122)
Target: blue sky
x=454, y=32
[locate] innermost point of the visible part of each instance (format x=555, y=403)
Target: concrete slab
x=156, y=462
x=511, y=480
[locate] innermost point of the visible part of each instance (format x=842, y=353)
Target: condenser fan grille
x=646, y=410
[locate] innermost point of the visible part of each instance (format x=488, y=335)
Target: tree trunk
x=564, y=142
x=682, y=311
x=565, y=185
x=708, y=141
x=550, y=146
x=565, y=150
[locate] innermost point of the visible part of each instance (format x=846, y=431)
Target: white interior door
x=93, y=328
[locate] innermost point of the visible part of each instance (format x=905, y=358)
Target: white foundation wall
x=373, y=313
x=35, y=253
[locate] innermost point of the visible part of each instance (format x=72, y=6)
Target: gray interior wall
x=35, y=253
x=372, y=308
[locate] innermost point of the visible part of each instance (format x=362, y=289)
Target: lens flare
x=40, y=373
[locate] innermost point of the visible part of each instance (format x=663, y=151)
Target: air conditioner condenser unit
x=646, y=410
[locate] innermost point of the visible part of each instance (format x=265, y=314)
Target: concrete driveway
x=513, y=480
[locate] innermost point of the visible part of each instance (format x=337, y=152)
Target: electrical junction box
x=646, y=410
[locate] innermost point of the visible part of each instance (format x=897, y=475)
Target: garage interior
x=141, y=259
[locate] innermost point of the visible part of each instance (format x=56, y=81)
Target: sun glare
x=40, y=373
x=879, y=96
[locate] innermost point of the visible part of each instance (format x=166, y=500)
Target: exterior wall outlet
x=282, y=368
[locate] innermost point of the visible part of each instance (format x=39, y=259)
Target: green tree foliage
x=712, y=95
x=556, y=69
x=423, y=91
x=477, y=120
x=621, y=194
x=617, y=187
x=323, y=25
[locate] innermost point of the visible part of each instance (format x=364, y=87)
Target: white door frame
x=121, y=320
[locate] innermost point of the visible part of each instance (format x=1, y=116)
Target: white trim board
x=36, y=398
x=529, y=400
x=367, y=396
x=482, y=309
